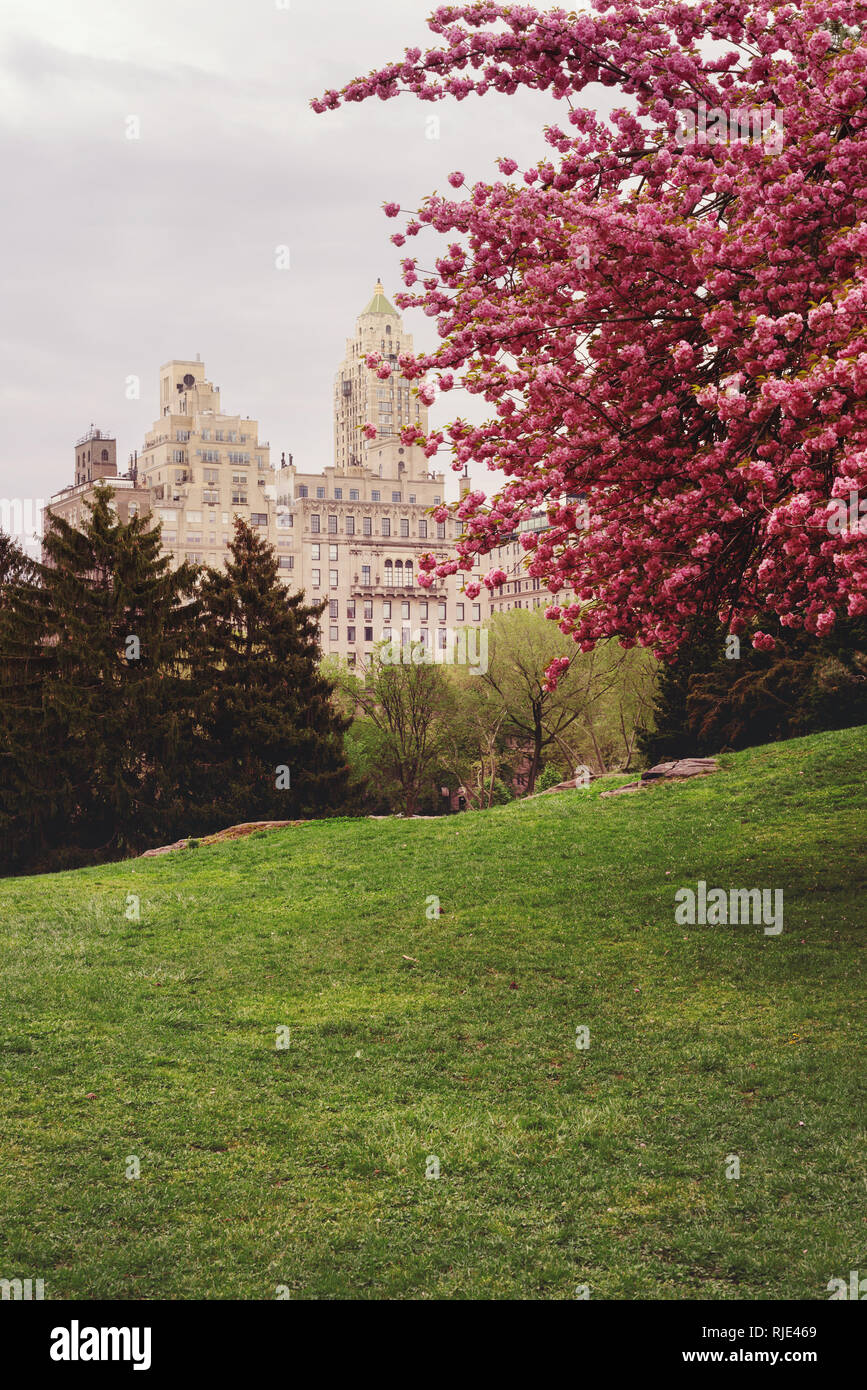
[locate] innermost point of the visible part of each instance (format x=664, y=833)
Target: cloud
x=122, y=253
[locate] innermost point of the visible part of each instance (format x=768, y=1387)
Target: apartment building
x=350, y=534
x=96, y=462
x=519, y=590
x=202, y=466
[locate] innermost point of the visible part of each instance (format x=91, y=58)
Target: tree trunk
x=537, y=758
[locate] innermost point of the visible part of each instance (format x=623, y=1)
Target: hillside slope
x=415, y=1038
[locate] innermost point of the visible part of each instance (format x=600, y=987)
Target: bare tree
x=408, y=704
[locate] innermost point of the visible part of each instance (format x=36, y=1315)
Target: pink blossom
x=698, y=377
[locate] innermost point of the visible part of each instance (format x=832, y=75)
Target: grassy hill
x=413, y=1038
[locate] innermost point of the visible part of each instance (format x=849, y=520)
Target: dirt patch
x=234, y=832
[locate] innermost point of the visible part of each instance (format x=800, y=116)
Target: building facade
x=95, y=463
x=351, y=534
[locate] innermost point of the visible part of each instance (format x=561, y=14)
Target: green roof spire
x=379, y=304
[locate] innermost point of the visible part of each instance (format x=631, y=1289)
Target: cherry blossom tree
x=666, y=315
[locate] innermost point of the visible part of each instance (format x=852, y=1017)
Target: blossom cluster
x=673, y=332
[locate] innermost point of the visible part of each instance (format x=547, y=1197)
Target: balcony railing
x=93, y=434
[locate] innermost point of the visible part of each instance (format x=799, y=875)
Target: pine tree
x=273, y=735
x=711, y=702
x=15, y=565
x=96, y=703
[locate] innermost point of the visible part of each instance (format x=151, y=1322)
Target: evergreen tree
x=14, y=563
x=708, y=702
x=273, y=736
x=96, y=702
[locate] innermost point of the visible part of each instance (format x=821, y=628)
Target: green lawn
x=306, y=1166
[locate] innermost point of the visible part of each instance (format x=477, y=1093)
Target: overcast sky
x=122, y=253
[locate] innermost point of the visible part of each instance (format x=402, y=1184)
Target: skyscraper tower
x=361, y=397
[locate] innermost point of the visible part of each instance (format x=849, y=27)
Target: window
x=317, y=575
x=422, y=528
x=404, y=610
x=350, y=526
x=350, y=634
x=386, y=609
x=386, y=526
x=353, y=494
x=375, y=495
x=258, y=518
x=443, y=638
x=338, y=494
x=181, y=436
x=368, y=634
x=239, y=488
x=442, y=611
x=477, y=612
x=395, y=497
x=423, y=607
x=211, y=475
x=332, y=525
x=412, y=497
x=350, y=608
x=302, y=490
x=441, y=530
x=334, y=633
x=386, y=634
x=332, y=579
x=314, y=551
x=320, y=492
x=366, y=526
x=314, y=524
x=332, y=608
x=332, y=552
x=285, y=520
x=365, y=576
x=368, y=610
x=404, y=525
x=178, y=455
x=408, y=580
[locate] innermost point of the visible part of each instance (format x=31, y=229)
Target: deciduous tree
x=665, y=314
